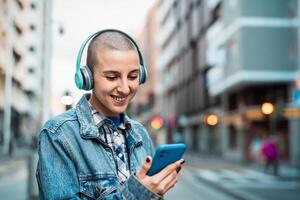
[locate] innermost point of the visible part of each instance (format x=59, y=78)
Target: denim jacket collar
x=88, y=129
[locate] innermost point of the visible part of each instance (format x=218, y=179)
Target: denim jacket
x=74, y=163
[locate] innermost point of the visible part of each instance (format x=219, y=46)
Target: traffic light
x=156, y=123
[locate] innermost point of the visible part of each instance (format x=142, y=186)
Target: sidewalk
x=17, y=175
x=286, y=171
x=18, y=153
x=10, y=164
x=244, y=181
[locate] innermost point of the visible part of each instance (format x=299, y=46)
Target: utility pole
x=8, y=80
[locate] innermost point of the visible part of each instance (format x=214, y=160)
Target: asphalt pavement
x=202, y=178
x=244, y=181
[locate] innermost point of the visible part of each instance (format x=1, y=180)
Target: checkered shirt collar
x=100, y=119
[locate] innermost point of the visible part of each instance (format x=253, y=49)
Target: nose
x=124, y=87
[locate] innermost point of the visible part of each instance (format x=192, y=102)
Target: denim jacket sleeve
x=132, y=188
x=56, y=173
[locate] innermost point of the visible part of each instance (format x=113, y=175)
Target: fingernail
x=183, y=161
x=178, y=169
x=147, y=159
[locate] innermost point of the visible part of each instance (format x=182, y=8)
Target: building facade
x=182, y=42
x=21, y=47
x=145, y=105
x=227, y=58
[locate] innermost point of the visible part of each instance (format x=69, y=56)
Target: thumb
x=144, y=169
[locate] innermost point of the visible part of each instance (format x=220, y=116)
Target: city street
x=220, y=76
x=244, y=181
x=202, y=177
x=13, y=182
x=189, y=187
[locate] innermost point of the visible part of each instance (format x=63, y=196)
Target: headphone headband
x=80, y=52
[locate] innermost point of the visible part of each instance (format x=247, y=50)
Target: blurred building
x=225, y=59
x=256, y=46
x=183, y=67
x=21, y=30
x=145, y=104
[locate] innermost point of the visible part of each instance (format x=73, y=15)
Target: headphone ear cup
x=79, y=80
x=88, y=80
x=143, y=74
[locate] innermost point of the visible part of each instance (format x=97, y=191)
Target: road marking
x=244, y=179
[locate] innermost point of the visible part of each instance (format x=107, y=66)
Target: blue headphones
x=83, y=75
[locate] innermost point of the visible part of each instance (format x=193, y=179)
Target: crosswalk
x=244, y=178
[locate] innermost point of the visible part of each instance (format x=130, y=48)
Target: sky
x=79, y=19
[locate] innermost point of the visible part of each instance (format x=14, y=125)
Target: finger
x=169, y=169
x=168, y=182
x=171, y=184
x=145, y=167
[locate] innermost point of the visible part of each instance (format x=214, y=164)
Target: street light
x=211, y=119
x=67, y=100
x=267, y=108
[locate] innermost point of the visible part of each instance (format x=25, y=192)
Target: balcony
x=255, y=51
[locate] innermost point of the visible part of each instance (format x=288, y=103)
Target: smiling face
x=116, y=79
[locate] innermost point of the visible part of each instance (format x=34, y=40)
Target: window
x=20, y=4
x=16, y=83
x=215, y=14
x=31, y=49
x=31, y=70
x=17, y=28
x=32, y=6
x=30, y=93
x=17, y=56
x=32, y=27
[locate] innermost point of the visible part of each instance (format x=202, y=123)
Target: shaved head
x=107, y=41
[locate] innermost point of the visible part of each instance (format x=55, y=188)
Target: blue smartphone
x=165, y=155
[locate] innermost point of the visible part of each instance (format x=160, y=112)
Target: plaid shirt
x=116, y=139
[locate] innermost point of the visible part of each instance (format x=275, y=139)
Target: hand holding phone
x=163, y=174
x=166, y=155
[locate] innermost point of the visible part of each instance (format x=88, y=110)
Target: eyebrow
x=116, y=72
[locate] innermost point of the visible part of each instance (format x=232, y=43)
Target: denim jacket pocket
x=99, y=187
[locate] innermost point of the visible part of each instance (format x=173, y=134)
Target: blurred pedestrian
x=95, y=151
x=270, y=153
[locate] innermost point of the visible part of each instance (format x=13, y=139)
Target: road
x=13, y=184
x=209, y=179
x=189, y=187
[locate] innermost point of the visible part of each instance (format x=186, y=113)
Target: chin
x=119, y=110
